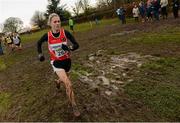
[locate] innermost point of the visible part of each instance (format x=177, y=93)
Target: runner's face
x=55, y=23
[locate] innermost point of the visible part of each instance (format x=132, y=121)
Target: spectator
x=164, y=4
x=1, y=49
x=135, y=12
x=71, y=24
x=175, y=8
x=149, y=10
x=156, y=7
x=121, y=14
x=95, y=18
x=142, y=10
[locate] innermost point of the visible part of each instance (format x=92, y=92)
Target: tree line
x=82, y=11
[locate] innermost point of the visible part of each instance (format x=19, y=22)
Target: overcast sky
x=24, y=9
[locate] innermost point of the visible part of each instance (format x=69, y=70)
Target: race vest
x=55, y=46
x=8, y=40
x=16, y=40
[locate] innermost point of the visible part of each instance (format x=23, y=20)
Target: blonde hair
x=51, y=16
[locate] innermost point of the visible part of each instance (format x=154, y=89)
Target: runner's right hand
x=41, y=57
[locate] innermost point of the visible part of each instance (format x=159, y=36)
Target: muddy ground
x=103, y=65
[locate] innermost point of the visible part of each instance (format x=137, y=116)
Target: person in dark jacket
x=1, y=49
x=175, y=8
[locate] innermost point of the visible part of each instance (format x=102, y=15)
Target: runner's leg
x=69, y=91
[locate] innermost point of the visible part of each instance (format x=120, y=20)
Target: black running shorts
x=61, y=64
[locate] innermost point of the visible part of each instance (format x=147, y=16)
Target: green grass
x=78, y=28
x=4, y=101
x=18, y=57
x=33, y=36
x=158, y=87
x=167, y=35
x=2, y=64
x=160, y=65
x=78, y=68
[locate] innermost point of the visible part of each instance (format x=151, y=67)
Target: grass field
x=78, y=28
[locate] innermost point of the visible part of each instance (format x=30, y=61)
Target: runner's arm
x=39, y=49
x=73, y=41
x=43, y=39
x=19, y=39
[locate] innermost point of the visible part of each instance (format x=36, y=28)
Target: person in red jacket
x=59, y=52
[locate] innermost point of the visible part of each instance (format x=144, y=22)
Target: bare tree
x=1, y=27
x=104, y=3
x=84, y=5
x=77, y=8
x=13, y=24
x=108, y=2
x=38, y=19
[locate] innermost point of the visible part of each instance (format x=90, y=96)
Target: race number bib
x=59, y=52
x=57, y=48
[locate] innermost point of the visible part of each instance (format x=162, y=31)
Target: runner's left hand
x=65, y=47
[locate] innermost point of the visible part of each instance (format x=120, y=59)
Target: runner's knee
x=64, y=79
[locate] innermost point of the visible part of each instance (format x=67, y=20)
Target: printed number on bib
x=59, y=52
